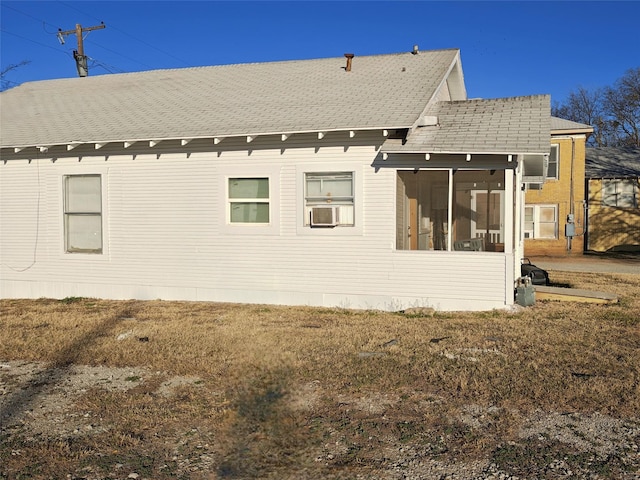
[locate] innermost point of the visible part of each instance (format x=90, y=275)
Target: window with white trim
x=541, y=221
x=83, y=213
x=553, y=167
x=248, y=200
x=554, y=161
x=329, y=199
x=620, y=192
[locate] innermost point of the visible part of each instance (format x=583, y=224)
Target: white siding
x=165, y=233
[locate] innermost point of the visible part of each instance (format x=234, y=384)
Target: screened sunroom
x=451, y=210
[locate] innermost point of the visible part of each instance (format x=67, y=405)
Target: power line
x=121, y=55
x=80, y=57
x=128, y=35
x=33, y=41
x=59, y=32
x=107, y=67
x=29, y=15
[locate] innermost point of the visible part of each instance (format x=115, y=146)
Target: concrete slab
x=573, y=295
x=592, y=263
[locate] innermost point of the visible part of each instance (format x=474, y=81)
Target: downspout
x=573, y=158
x=585, y=206
x=570, y=226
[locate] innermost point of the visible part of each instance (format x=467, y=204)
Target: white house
x=361, y=182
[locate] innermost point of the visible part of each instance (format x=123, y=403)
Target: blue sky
x=507, y=48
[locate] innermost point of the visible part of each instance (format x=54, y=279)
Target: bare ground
x=548, y=392
x=40, y=403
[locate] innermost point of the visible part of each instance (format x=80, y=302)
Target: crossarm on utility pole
x=81, y=60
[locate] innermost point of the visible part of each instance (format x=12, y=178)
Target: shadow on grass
x=265, y=433
x=21, y=400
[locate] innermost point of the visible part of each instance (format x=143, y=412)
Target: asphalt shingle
x=611, y=162
x=561, y=125
x=502, y=125
x=380, y=91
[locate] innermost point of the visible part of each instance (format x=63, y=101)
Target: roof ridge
x=499, y=99
x=237, y=64
x=384, y=91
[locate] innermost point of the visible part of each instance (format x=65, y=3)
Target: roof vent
x=415, y=50
x=349, y=57
x=428, y=121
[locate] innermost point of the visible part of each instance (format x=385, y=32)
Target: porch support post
x=511, y=229
x=520, y=204
x=510, y=213
x=450, y=213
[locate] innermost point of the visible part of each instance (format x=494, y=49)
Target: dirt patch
x=94, y=389
x=41, y=400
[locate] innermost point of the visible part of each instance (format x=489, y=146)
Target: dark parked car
x=537, y=275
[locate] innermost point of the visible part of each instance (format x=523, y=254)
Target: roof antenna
x=415, y=50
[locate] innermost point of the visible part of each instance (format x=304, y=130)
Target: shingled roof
x=501, y=126
x=561, y=125
x=610, y=162
x=380, y=91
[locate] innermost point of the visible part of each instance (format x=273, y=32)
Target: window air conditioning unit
x=324, y=216
x=534, y=170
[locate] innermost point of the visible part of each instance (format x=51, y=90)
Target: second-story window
x=554, y=161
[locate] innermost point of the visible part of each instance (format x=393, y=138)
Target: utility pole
x=81, y=59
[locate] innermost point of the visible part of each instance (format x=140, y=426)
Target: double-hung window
x=620, y=193
x=554, y=161
x=83, y=213
x=329, y=198
x=248, y=200
x=541, y=221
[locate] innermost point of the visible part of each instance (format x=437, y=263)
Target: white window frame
x=534, y=233
x=554, y=159
x=250, y=171
x=231, y=202
x=68, y=213
x=344, y=204
x=302, y=223
x=620, y=192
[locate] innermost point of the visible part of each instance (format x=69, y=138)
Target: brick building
x=554, y=222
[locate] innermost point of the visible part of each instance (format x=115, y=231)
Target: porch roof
x=512, y=125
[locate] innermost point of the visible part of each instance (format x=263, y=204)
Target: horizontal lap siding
x=20, y=207
x=161, y=217
x=164, y=228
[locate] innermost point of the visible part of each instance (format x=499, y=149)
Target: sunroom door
x=487, y=220
x=422, y=210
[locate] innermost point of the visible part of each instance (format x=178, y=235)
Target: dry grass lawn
x=255, y=391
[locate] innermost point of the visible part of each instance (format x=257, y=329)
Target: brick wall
x=558, y=192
